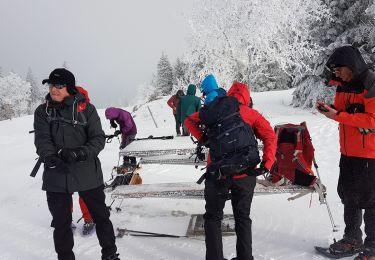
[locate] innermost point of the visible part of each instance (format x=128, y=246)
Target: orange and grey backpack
x=294, y=156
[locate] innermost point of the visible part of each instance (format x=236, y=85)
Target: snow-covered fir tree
x=14, y=96
x=1, y=72
x=261, y=43
x=164, y=76
x=37, y=92
x=350, y=22
x=180, y=77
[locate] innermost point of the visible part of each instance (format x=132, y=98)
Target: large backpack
x=232, y=143
x=294, y=156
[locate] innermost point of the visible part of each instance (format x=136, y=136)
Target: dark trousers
x=216, y=193
x=178, y=125
x=59, y=205
x=356, y=190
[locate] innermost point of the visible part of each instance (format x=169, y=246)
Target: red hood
x=240, y=92
x=84, y=92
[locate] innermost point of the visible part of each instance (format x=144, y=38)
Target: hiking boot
x=346, y=246
x=366, y=254
x=111, y=257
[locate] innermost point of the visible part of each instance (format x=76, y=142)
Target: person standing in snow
x=354, y=110
x=68, y=138
x=128, y=129
x=173, y=102
x=241, y=185
x=188, y=105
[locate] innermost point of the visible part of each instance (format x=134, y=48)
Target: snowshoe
x=327, y=252
x=343, y=248
x=88, y=227
x=366, y=254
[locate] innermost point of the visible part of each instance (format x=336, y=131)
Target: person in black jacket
x=68, y=138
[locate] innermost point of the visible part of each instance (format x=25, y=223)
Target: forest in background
x=268, y=45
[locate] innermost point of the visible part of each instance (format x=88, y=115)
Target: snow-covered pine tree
x=180, y=70
x=164, y=76
x=14, y=96
x=1, y=72
x=37, y=92
x=261, y=43
x=350, y=22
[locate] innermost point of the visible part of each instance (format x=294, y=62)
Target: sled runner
x=195, y=228
x=192, y=190
x=156, y=147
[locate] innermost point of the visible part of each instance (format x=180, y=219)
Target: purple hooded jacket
x=123, y=118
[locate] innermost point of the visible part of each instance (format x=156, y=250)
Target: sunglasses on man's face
x=58, y=86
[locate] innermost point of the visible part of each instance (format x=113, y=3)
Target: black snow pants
x=356, y=190
x=59, y=205
x=216, y=192
x=178, y=125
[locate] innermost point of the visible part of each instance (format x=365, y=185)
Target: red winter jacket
x=173, y=102
x=352, y=141
x=261, y=127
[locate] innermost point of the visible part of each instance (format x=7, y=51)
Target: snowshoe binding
x=124, y=173
x=343, y=248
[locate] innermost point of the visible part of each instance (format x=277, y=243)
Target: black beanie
x=62, y=76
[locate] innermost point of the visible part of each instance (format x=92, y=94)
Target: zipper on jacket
x=363, y=141
x=343, y=130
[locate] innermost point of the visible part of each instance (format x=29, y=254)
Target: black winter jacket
x=60, y=125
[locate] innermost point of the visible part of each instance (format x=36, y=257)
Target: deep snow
x=281, y=229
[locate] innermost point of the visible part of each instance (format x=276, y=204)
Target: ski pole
x=334, y=226
x=149, y=110
x=110, y=206
x=125, y=231
x=119, y=207
x=165, y=137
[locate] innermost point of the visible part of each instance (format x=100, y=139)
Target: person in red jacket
x=241, y=185
x=354, y=110
x=173, y=102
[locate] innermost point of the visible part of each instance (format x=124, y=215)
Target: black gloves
x=259, y=171
x=53, y=162
x=113, y=123
x=117, y=132
x=70, y=155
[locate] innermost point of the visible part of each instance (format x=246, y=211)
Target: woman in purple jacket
x=128, y=129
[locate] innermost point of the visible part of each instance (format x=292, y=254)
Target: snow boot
x=111, y=257
x=366, y=254
x=346, y=246
x=88, y=226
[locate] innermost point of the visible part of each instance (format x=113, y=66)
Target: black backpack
x=232, y=143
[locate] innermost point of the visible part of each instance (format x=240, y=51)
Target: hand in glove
x=53, y=162
x=113, y=123
x=259, y=171
x=73, y=154
x=117, y=132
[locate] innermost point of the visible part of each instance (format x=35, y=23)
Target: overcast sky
x=111, y=46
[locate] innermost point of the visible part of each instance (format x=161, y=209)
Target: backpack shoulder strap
x=52, y=115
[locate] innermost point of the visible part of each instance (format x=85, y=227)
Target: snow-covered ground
x=281, y=229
